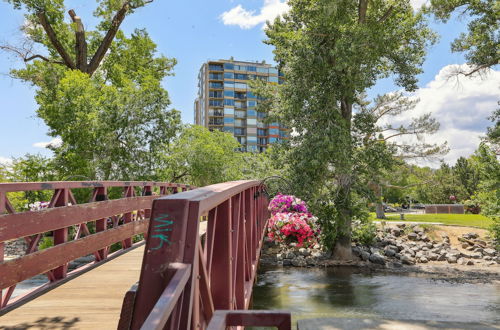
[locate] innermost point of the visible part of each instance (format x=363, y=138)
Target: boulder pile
x=395, y=246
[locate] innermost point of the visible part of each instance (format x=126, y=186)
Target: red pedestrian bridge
x=194, y=270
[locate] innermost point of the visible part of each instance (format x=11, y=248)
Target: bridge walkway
x=92, y=300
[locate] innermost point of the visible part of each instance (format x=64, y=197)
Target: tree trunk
x=342, y=249
x=379, y=210
x=379, y=207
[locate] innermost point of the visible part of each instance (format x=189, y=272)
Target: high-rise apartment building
x=226, y=103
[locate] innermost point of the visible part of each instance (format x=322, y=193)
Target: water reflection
x=347, y=292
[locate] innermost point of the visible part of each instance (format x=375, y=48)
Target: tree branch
x=27, y=59
x=55, y=42
x=386, y=15
x=108, y=39
x=80, y=43
x=363, y=7
x=25, y=55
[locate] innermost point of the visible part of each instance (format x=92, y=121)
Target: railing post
x=61, y=198
x=127, y=217
x=166, y=244
x=147, y=191
x=100, y=194
x=221, y=275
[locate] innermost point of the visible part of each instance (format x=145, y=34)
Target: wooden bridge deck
x=92, y=300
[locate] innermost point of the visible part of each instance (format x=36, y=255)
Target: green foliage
x=468, y=220
x=112, y=120
x=30, y=168
x=364, y=232
x=495, y=232
x=331, y=52
x=201, y=157
x=467, y=175
x=482, y=40
x=45, y=243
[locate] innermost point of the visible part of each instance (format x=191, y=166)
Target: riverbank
x=461, y=254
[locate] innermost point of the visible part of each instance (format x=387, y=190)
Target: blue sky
x=196, y=30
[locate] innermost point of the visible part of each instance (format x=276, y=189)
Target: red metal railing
x=186, y=277
x=114, y=221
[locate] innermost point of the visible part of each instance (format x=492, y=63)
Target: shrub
x=495, y=232
x=45, y=243
x=363, y=232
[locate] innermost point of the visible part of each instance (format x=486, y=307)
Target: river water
x=348, y=292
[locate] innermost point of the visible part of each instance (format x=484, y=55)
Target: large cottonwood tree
x=331, y=52
x=99, y=90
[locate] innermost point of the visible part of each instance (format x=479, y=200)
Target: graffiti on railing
x=161, y=229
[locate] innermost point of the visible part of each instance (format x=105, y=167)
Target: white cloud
x=417, y=4
x=462, y=107
x=55, y=142
x=247, y=19
x=5, y=161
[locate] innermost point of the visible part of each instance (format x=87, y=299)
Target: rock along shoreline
x=403, y=249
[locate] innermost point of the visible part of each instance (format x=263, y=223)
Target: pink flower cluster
x=287, y=203
x=290, y=222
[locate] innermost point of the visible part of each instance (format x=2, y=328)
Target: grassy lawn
x=472, y=220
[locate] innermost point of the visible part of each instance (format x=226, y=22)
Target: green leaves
x=481, y=43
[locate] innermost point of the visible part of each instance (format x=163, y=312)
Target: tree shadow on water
x=58, y=322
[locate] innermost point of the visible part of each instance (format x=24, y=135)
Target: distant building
x=226, y=103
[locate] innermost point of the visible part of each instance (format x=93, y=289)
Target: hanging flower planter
x=291, y=222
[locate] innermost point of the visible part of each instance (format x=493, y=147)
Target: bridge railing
x=94, y=227
x=186, y=275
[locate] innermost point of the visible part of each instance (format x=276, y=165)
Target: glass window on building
x=251, y=139
x=250, y=95
x=215, y=103
x=261, y=132
x=228, y=120
x=239, y=131
x=240, y=76
x=239, y=122
x=251, y=113
x=273, y=71
x=228, y=102
x=274, y=131
x=240, y=95
x=252, y=148
x=215, y=67
x=273, y=79
x=252, y=68
x=262, y=70
x=228, y=129
x=228, y=84
x=240, y=114
x=252, y=103
x=241, y=139
x=215, y=85
x=252, y=121
x=216, y=94
x=261, y=115
x=229, y=111
x=228, y=75
x=216, y=76
x=239, y=85
x=229, y=93
x=228, y=66
x=273, y=140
